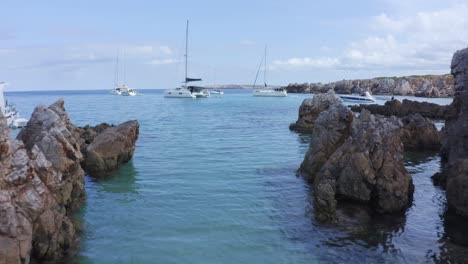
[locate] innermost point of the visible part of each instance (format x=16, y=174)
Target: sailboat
x=187, y=91
x=121, y=89
x=10, y=112
x=265, y=92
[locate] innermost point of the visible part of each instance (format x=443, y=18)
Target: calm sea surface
x=213, y=181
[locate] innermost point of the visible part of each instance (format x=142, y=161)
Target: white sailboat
x=121, y=89
x=187, y=91
x=265, y=92
x=10, y=112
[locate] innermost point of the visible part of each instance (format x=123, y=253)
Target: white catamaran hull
x=270, y=93
x=178, y=93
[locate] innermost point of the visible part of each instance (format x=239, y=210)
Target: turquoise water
x=213, y=181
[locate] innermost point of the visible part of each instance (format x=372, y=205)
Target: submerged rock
x=110, y=148
x=419, y=133
x=358, y=159
x=310, y=110
x=407, y=107
x=455, y=144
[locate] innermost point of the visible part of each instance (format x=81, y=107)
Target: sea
x=214, y=181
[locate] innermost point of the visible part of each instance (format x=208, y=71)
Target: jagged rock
x=330, y=131
x=87, y=134
x=41, y=183
x=426, y=86
x=310, y=110
x=419, y=133
x=455, y=144
x=109, y=149
x=357, y=159
x=407, y=107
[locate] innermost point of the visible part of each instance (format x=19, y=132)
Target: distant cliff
x=421, y=86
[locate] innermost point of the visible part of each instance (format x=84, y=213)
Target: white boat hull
x=178, y=93
x=368, y=98
x=270, y=93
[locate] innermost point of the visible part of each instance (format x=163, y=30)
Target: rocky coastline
x=42, y=183
x=420, y=86
x=359, y=156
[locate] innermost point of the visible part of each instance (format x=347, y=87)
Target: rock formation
x=331, y=130
x=110, y=148
x=41, y=185
x=419, y=133
x=310, y=110
x=455, y=144
x=423, y=86
x=358, y=159
x=407, y=107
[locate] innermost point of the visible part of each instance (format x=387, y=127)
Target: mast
x=186, y=52
x=265, y=67
x=124, y=73
x=116, y=75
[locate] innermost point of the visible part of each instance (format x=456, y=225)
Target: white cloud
x=309, y=62
x=162, y=61
x=247, y=42
x=421, y=41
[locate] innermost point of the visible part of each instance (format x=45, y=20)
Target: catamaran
x=10, y=112
x=187, y=91
x=265, y=92
x=121, y=89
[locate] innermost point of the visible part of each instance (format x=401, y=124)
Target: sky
x=73, y=45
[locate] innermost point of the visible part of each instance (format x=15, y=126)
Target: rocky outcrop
x=358, y=159
x=42, y=184
x=110, y=148
x=310, y=110
x=424, y=86
x=331, y=130
x=407, y=107
x=419, y=134
x=455, y=144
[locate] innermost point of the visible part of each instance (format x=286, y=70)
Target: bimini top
x=192, y=80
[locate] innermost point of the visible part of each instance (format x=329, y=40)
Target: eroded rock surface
x=407, y=107
x=42, y=182
x=419, y=134
x=358, y=159
x=310, y=110
x=423, y=86
x=455, y=144
x=110, y=148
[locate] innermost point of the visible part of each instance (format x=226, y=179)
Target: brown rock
x=109, y=149
x=310, y=110
x=359, y=160
x=455, y=144
x=419, y=133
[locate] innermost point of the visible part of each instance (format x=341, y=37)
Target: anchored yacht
x=265, y=92
x=10, y=112
x=367, y=98
x=121, y=89
x=187, y=91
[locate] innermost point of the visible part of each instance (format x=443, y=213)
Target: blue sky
x=59, y=45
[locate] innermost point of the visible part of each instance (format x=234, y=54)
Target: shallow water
x=213, y=181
